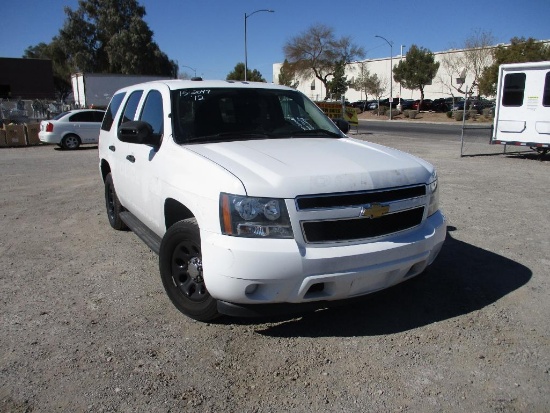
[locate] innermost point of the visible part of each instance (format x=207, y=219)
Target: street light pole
x=194, y=70
x=391, y=71
x=246, y=16
x=400, y=60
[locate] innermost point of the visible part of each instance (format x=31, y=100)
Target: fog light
x=250, y=289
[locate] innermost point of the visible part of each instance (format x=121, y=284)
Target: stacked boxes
x=19, y=135
x=15, y=135
x=32, y=133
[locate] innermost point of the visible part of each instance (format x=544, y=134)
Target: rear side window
x=514, y=89
x=83, y=117
x=546, y=95
x=98, y=116
x=114, y=105
x=88, y=116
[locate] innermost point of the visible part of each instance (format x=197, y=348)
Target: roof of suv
x=183, y=84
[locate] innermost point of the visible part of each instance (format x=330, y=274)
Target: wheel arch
x=105, y=169
x=175, y=211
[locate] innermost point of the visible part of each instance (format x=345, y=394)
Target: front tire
x=180, y=263
x=112, y=204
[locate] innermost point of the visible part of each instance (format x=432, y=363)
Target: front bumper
x=244, y=272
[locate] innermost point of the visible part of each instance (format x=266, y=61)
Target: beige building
x=452, y=65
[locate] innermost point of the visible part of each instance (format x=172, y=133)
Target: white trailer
x=96, y=89
x=522, y=113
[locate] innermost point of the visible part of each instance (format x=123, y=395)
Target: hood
x=286, y=168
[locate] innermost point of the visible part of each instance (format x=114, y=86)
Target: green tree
x=520, y=50
x=103, y=36
x=318, y=52
x=251, y=75
x=338, y=85
x=110, y=36
x=361, y=81
x=375, y=86
x=417, y=70
x=287, y=76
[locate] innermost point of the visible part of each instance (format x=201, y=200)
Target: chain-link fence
x=23, y=111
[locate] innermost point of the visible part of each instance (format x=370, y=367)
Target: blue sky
x=208, y=35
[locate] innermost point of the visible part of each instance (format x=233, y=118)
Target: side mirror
x=342, y=124
x=138, y=132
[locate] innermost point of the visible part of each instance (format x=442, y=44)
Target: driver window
x=152, y=112
x=131, y=107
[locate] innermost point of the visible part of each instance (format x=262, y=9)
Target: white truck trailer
x=96, y=89
x=522, y=113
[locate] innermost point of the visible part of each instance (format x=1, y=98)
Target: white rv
x=522, y=113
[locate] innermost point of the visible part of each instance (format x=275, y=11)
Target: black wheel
x=70, y=142
x=180, y=263
x=114, y=208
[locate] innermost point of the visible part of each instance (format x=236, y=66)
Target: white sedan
x=73, y=128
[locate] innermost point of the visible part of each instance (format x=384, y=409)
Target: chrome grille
x=406, y=211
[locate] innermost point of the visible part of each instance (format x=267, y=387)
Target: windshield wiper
x=317, y=132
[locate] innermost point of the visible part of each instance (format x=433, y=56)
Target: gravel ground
x=87, y=327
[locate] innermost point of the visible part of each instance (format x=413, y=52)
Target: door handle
x=112, y=148
x=131, y=158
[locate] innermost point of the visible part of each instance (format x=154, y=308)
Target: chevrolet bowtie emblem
x=374, y=210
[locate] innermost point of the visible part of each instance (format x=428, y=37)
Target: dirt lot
x=86, y=326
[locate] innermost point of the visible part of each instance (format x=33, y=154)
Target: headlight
x=244, y=216
x=433, y=192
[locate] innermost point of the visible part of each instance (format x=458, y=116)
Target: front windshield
x=224, y=114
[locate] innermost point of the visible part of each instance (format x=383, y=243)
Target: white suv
x=257, y=203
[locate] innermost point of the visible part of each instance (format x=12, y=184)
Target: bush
x=381, y=110
x=412, y=114
x=489, y=113
x=450, y=114
x=459, y=114
x=406, y=113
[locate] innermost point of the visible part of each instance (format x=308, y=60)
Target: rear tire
x=180, y=263
x=112, y=204
x=70, y=142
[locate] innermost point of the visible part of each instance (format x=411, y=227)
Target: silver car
x=73, y=128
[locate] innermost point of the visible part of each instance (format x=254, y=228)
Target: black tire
x=70, y=142
x=114, y=208
x=180, y=264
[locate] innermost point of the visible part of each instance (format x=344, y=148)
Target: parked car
x=372, y=105
x=406, y=104
x=450, y=101
x=360, y=105
x=440, y=105
x=476, y=104
x=426, y=104
x=73, y=128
